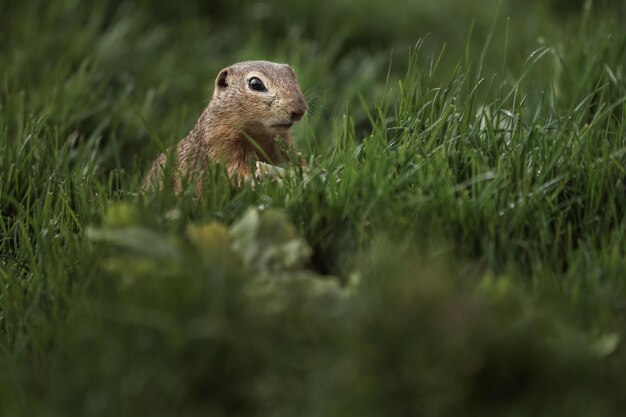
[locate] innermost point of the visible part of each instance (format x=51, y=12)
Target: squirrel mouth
x=283, y=125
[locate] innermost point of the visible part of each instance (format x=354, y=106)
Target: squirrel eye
x=256, y=84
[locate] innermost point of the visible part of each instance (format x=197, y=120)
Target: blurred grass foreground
x=456, y=248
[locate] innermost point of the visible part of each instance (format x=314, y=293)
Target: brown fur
x=236, y=115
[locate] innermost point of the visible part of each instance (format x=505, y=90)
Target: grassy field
x=457, y=247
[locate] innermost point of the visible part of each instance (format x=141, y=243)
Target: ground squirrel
x=254, y=104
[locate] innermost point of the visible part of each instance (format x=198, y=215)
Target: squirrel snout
x=298, y=112
x=297, y=115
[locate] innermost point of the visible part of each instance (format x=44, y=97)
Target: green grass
x=457, y=246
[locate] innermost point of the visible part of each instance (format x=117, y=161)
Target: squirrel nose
x=299, y=111
x=297, y=115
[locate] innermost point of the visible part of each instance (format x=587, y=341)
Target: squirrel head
x=260, y=95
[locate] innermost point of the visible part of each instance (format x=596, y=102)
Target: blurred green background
x=162, y=58
x=457, y=248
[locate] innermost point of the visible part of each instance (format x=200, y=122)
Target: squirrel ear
x=220, y=81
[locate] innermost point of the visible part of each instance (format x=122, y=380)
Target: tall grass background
x=455, y=248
